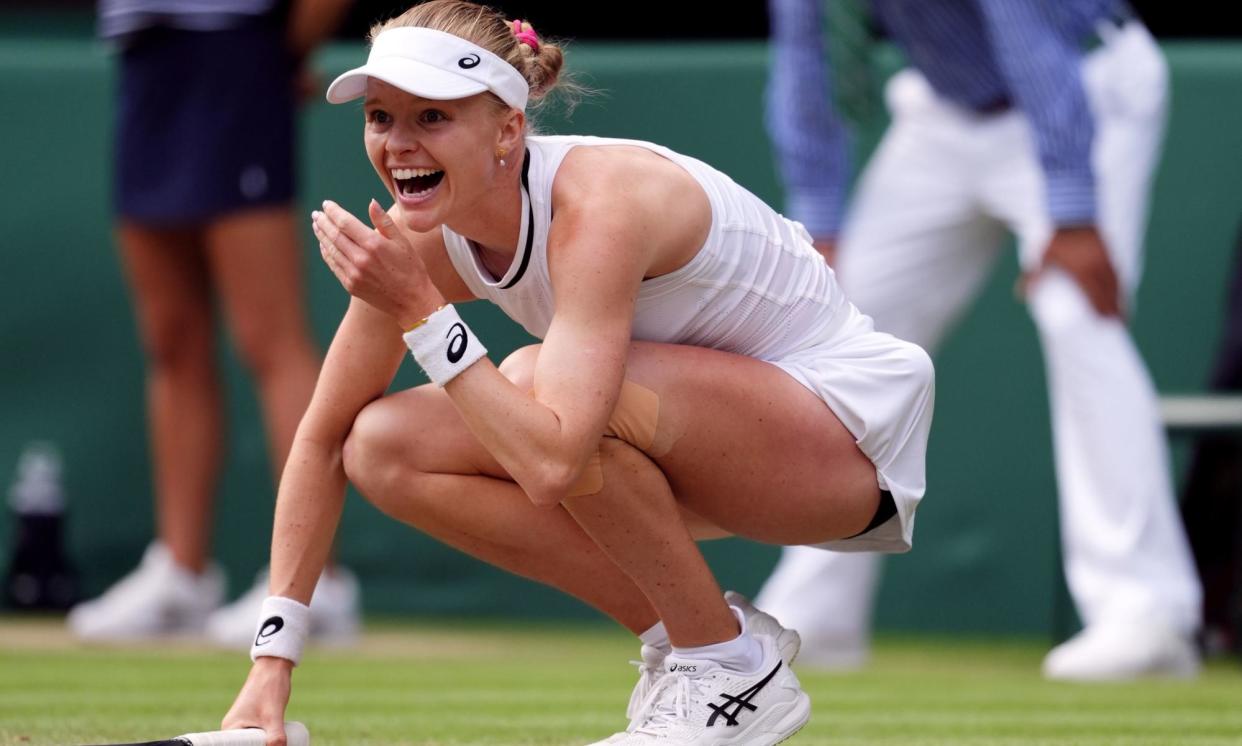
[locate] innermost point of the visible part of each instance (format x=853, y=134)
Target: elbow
x=549, y=484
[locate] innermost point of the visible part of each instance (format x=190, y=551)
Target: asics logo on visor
x=469, y=61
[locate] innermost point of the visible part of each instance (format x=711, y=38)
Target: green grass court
x=440, y=683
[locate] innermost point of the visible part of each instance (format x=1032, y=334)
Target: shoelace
x=667, y=706
x=647, y=678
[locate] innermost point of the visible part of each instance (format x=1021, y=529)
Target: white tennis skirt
x=882, y=389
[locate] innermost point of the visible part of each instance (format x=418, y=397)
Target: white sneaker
x=763, y=623
x=334, y=615
x=157, y=598
x=699, y=703
x=1116, y=653
x=651, y=665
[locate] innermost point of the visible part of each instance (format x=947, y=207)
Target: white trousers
x=928, y=219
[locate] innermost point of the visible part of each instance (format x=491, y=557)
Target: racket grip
x=295, y=735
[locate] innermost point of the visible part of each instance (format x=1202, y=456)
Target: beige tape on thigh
x=634, y=421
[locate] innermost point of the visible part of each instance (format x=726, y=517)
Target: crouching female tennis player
x=700, y=375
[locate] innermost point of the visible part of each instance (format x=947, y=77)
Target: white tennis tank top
x=757, y=287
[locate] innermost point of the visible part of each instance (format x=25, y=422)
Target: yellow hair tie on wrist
x=422, y=321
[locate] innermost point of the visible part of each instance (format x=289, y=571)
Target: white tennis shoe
x=762, y=623
x=700, y=703
x=157, y=598
x=335, y=618
x=1103, y=652
x=651, y=663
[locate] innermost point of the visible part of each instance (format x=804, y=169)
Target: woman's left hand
x=377, y=265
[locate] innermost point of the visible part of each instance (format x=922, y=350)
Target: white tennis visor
x=432, y=64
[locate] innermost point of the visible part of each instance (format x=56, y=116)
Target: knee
x=253, y=344
x=519, y=367
x=264, y=349
x=177, y=335
x=371, y=455
x=366, y=440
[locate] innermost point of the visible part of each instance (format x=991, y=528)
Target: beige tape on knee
x=634, y=421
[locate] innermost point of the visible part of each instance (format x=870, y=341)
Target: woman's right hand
x=262, y=700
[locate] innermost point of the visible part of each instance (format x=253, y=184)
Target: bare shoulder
x=617, y=172
x=638, y=195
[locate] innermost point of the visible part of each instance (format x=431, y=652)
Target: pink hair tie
x=526, y=37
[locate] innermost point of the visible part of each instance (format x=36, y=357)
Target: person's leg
x=411, y=455
x=916, y=247
x=172, y=301
x=627, y=547
x=913, y=254
x=175, y=586
x=1127, y=562
x=410, y=465
x=1126, y=559
x=257, y=267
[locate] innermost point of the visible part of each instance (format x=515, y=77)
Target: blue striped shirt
x=978, y=54
x=118, y=18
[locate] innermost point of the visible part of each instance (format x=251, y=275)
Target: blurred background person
x=1212, y=498
x=1044, y=120
x=204, y=190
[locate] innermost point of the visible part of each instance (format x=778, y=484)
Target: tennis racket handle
x=295, y=735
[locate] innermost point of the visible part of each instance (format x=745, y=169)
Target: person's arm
x=602, y=241
x=600, y=245
x=808, y=135
x=1042, y=65
x=359, y=366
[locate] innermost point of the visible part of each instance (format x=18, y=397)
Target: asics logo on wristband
x=268, y=630
x=469, y=61
x=457, y=342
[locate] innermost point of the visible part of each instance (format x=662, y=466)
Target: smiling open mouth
x=416, y=182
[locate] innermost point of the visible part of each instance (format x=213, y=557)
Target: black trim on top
x=530, y=224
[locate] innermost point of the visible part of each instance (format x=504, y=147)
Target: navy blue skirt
x=205, y=123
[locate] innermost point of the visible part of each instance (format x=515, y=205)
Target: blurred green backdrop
x=986, y=555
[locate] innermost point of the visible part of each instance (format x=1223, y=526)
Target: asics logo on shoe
x=268, y=630
x=738, y=702
x=679, y=668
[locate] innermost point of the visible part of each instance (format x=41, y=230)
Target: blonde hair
x=486, y=27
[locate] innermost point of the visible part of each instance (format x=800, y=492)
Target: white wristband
x=282, y=630
x=444, y=346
